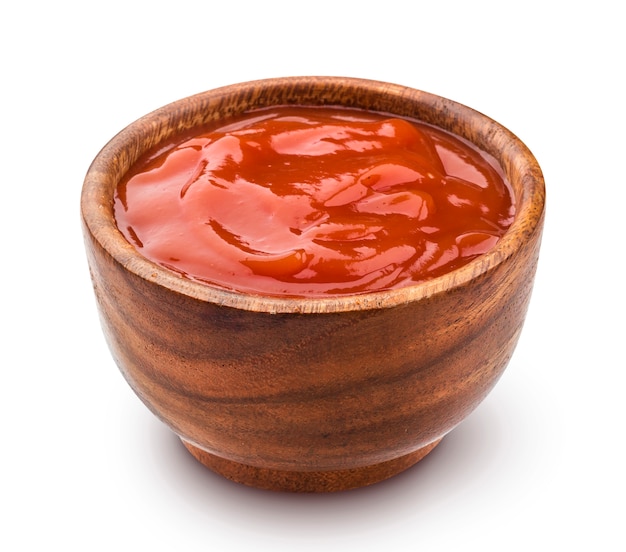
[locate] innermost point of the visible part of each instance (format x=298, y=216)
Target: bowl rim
x=123, y=149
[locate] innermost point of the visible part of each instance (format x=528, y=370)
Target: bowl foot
x=308, y=481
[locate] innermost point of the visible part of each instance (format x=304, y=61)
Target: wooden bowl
x=312, y=394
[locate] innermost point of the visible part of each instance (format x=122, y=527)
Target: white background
x=538, y=466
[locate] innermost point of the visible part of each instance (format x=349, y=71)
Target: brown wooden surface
x=331, y=388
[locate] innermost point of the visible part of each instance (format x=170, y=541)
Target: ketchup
x=314, y=201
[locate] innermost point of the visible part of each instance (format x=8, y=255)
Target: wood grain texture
x=312, y=394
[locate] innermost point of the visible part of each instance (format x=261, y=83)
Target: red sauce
x=294, y=201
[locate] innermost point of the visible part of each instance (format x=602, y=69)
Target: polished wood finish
x=311, y=394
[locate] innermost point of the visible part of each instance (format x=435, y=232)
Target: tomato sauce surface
x=298, y=201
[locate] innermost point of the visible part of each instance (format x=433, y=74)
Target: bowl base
x=308, y=481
